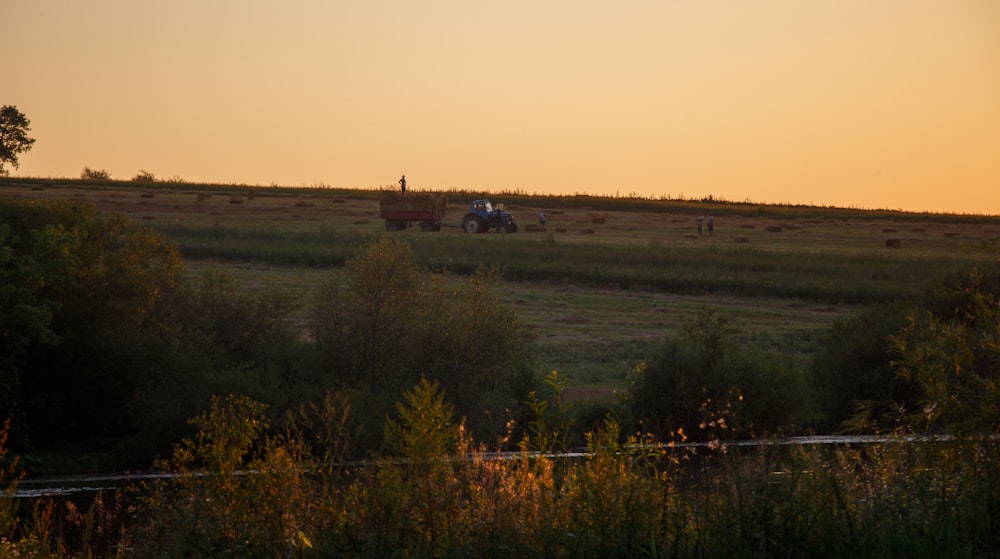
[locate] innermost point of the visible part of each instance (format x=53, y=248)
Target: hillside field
x=603, y=284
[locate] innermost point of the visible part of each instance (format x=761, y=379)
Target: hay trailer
x=406, y=210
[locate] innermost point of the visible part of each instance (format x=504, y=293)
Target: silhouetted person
x=711, y=225
x=402, y=184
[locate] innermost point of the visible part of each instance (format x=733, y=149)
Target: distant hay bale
x=560, y=229
x=747, y=226
x=889, y=230
x=597, y=220
x=742, y=240
x=338, y=201
x=147, y=217
x=774, y=229
x=251, y=195
x=304, y=204
x=37, y=187
x=691, y=237
x=147, y=195
x=792, y=227
x=235, y=200
x=893, y=243
x=586, y=231
x=202, y=197
x=531, y=228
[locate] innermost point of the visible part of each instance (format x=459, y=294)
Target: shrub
x=89, y=174
x=857, y=388
x=144, y=176
x=701, y=384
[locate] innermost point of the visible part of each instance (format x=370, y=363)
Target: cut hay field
x=603, y=284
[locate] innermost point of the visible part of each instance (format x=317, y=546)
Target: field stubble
x=755, y=267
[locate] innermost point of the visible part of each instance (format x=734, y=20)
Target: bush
x=857, y=388
x=700, y=385
x=89, y=174
x=389, y=323
x=144, y=176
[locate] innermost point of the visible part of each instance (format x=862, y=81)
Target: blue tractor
x=482, y=216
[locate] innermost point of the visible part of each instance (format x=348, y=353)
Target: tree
x=14, y=140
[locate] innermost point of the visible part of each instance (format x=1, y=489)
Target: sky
x=877, y=104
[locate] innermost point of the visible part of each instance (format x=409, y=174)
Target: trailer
x=401, y=211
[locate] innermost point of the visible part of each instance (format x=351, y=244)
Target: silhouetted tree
x=14, y=140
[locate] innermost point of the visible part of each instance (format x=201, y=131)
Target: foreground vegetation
x=358, y=413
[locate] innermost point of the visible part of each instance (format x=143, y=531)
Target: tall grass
x=242, y=492
x=829, y=277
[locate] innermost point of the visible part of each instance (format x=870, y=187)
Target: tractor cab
x=483, y=215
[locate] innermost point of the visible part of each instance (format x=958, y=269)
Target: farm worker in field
x=541, y=218
x=711, y=225
x=402, y=184
x=699, y=221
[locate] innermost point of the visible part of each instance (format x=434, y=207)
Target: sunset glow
x=876, y=104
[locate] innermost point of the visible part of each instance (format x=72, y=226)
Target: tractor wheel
x=474, y=224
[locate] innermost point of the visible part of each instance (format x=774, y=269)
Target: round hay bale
x=774, y=228
x=235, y=200
x=146, y=195
x=893, y=243
x=251, y=195
x=742, y=240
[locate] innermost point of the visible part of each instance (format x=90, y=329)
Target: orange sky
x=863, y=103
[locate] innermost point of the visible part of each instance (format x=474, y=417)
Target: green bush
x=702, y=385
x=389, y=323
x=857, y=388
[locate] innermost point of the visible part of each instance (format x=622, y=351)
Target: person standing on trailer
x=402, y=184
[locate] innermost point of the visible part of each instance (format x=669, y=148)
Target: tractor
x=482, y=216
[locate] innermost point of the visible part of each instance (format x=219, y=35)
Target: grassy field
x=603, y=284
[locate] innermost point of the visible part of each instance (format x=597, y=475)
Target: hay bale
x=774, y=229
x=251, y=195
x=586, y=231
x=532, y=228
x=597, y=220
x=146, y=195
x=560, y=229
x=742, y=240
x=691, y=237
x=951, y=234
x=893, y=243
x=747, y=226
x=235, y=200
x=147, y=217
x=202, y=197
x=888, y=230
